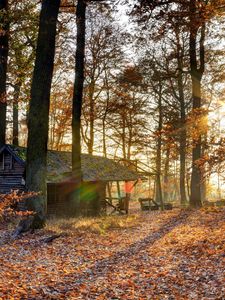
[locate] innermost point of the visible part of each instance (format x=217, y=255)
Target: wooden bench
x=148, y=204
x=220, y=202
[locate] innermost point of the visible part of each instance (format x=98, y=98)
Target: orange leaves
x=198, y=123
x=9, y=204
x=167, y=255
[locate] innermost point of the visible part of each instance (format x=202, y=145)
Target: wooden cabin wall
x=94, y=196
x=58, y=199
x=62, y=200
x=11, y=174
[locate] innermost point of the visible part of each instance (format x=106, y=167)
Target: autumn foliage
x=9, y=205
x=154, y=255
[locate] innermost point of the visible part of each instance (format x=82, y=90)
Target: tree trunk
x=183, y=132
x=39, y=111
x=77, y=102
x=197, y=70
x=159, y=196
x=195, y=197
x=106, y=83
x=124, y=137
x=204, y=180
x=166, y=175
x=15, y=139
x=104, y=137
x=92, y=116
x=182, y=151
x=4, y=42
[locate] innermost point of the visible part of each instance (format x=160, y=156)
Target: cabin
x=98, y=173
x=12, y=168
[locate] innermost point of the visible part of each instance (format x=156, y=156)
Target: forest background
x=138, y=89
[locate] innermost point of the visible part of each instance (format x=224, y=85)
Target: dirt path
x=169, y=255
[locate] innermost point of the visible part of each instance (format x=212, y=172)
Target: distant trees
x=4, y=41
x=22, y=45
x=128, y=112
x=60, y=116
x=118, y=105
x=163, y=66
x=103, y=56
x=171, y=20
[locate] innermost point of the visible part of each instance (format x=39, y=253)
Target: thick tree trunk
x=77, y=102
x=15, y=139
x=4, y=42
x=195, y=197
x=39, y=110
x=197, y=70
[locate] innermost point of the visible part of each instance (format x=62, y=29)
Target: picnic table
x=151, y=204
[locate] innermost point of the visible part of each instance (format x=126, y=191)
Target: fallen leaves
x=166, y=255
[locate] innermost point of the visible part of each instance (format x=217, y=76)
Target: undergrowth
x=98, y=225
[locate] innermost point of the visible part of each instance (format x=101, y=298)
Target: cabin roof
x=94, y=168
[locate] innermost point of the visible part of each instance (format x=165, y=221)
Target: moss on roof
x=94, y=168
x=19, y=151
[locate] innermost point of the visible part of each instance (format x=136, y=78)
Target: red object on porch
x=128, y=187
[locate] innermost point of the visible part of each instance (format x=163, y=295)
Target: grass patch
x=95, y=225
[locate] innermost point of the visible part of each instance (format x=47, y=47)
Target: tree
x=78, y=96
x=4, y=40
x=60, y=114
x=60, y=118
x=103, y=52
x=191, y=16
x=197, y=22
x=128, y=112
x=159, y=196
x=22, y=44
x=39, y=110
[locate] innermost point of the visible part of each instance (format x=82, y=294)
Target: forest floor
x=178, y=254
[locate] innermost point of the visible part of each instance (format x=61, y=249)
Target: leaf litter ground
x=175, y=254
